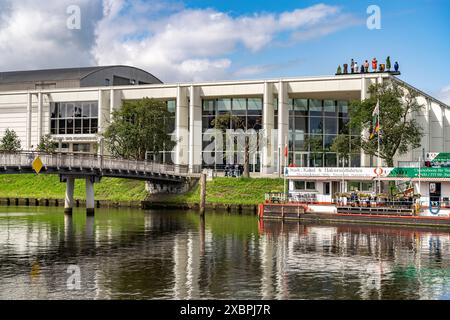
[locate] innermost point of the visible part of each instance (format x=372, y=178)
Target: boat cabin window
x=360, y=186
x=304, y=185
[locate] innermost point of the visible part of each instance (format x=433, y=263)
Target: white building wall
x=435, y=118
x=436, y=128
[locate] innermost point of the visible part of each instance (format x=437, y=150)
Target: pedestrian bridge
x=92, y=168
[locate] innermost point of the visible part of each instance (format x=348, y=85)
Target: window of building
x=81, y=147
x=315, y=108
x=223, y=105
x=74, y=118
x=359, y=186
x=246, y=114
x=331, y=126
x=353, y=186
x=304, y=185
x=301, y=107
x=329, y=108
x=316, y=125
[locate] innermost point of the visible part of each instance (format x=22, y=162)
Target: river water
x=131, y=254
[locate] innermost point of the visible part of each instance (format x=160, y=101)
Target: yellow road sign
x=37, y=164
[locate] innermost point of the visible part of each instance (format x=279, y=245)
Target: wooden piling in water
x=202, y=193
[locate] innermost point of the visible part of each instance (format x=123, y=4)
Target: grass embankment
x=49, y=187
x=219, y=191
x=228, y=191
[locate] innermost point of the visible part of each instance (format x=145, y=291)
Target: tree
x=47, y=145
x=138, y=127
x=10, y=141
x=398, y=131
x=222, y=122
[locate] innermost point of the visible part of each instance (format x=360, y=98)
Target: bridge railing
x=88, y=161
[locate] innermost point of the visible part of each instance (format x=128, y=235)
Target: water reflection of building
x=356, y=262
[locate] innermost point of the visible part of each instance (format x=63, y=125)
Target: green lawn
x=49, y=187
x=220, y=190
x=231, y=191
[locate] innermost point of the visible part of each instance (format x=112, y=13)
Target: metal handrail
x=92, y=162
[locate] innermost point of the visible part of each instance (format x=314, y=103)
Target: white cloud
x=444, y=95
x=196, y=44
x=172, y=42
x=34, y=34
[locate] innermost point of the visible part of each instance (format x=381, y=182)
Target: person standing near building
x=374, y=65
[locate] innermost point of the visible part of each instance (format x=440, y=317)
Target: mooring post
x=202, y=193
x=68, y=203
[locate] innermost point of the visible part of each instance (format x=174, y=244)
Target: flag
x=375, y=123
x=286, y=151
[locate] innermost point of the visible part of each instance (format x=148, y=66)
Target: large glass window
x=315, y=108
x=223, y=105
x=313, y=126
x=74, y=118
x=316, y=125
x=246, y=114
x=301, y=107
x=329, y=108
x=330, y=126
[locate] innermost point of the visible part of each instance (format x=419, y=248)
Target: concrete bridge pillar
x=68, y=204
x=90, y=201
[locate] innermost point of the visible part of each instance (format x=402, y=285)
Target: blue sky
x=416, y=33
x=199, y=40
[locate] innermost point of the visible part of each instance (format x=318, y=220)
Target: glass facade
x=74, y=118
x=313, y=126
x=235, y=114
x=166, y=156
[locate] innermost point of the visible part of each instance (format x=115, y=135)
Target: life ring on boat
x=437, y=210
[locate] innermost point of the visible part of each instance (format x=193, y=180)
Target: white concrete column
x=100, y=111
x=268, y=164
x=115, y=101
x=112, y=100
x=39, y=117
x=29, y=116
x=195, y=128
x=90, y=201
x=365, y=160
x=68, y=203
x=283, y=121
x=182, y=127
x=379, y=160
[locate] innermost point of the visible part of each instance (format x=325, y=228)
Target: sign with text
x=424, y=172
x=338, y=172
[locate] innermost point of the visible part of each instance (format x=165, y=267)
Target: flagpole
x=379, y=140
